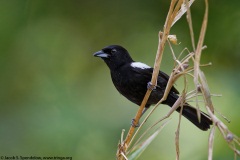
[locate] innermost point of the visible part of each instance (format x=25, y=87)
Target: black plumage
x=131, y=78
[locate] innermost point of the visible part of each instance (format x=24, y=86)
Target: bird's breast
x=130, y=86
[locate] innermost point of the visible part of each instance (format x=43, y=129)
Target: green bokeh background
x=56, y=99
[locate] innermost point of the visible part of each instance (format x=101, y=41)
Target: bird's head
x=114, y=56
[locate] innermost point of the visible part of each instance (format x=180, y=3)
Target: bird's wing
x=162, y=77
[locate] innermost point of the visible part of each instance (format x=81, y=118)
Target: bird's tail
x=190, y=113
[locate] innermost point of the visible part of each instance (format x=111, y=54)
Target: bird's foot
x=133, y=123
x=150, y=86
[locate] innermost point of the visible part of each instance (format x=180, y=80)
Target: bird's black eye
x=113, y=51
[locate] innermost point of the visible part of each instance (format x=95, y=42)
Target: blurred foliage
x=56, y=99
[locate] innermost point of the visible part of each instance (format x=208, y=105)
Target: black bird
x=132, y=78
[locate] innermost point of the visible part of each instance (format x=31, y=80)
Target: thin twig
x=189, y=19
x=210, y=143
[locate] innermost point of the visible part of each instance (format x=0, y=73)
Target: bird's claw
x=133, y=123
x=150, y=86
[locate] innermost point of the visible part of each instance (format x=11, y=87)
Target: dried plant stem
x=162, y=40
x=174, y=8
x=189, y=19
x=198, y=54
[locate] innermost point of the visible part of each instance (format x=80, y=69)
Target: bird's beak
x=101, y=54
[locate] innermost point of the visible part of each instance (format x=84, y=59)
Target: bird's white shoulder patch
x=139, y=65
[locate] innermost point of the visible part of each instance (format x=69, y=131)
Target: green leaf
x=142, y=146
